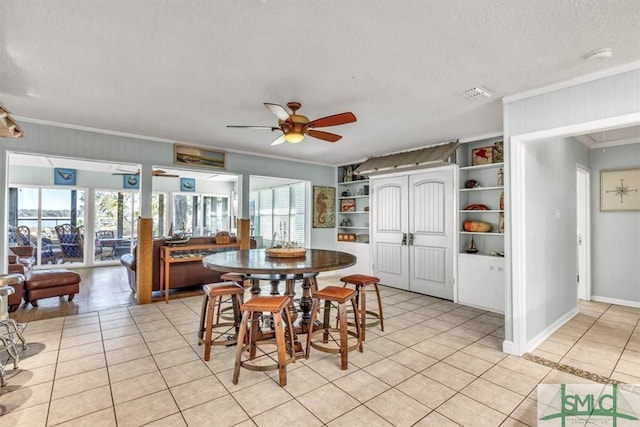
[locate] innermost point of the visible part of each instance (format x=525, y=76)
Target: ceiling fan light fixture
x=295, y=126
x=294, y=137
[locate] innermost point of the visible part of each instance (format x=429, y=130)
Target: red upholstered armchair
x=24, y=255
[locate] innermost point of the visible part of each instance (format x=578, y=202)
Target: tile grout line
x=625, y=344
x=106, y=363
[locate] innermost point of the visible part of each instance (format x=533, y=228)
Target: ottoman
x=50, y=283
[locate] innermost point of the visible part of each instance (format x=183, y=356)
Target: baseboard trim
x=507, y=347
x=547, y=332
x=627, y=303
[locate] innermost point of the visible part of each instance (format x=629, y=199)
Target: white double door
x=412, y=238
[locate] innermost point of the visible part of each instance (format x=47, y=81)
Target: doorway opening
x=524, y=332
x=583, y=237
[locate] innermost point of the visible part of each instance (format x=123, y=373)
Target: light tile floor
x=436, y=364
x=603, y=339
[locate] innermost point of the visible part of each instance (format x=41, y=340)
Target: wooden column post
x=144, y=260
x=243, y=233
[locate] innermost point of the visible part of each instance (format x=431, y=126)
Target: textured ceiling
x=184, y=70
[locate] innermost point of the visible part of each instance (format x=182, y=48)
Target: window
x=200, y=215
x=41, y=210
x=159, y=212
x=281, y=214
x=116, y=223
x=215, y=214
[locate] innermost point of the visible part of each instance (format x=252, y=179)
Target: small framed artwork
x=481, y=156
x=347, y=205
x=198, y=156
x=131, y=182
x=498, y=152
x=324, y=207
x=64, y=176
x=187, y=184
x=620, y=190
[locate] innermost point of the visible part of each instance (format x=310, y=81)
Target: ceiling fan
x=155, y=172
x=295, y=126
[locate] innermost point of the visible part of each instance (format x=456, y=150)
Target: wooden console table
x=172, y=254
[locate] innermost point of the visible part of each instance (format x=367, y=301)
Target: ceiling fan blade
x=279, y=141
x=126, y=173
x=325, y=136
x=253, y=127
x=278, y=110
x=160, y=172
x=335, y=120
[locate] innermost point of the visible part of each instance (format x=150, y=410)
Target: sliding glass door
x=42, y=217
x=116, y=223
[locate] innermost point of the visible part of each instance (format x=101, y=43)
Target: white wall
x=615, y=236
x=550, y=182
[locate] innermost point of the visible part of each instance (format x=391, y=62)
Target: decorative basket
x=223, y=238
x=286, y=252
x=476, y=226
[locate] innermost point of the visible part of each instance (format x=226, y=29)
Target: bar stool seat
x=219, y=333
x=329, y=343
x=251, y=339
x=360, y=281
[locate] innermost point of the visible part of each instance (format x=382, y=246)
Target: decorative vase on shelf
x=500, y=177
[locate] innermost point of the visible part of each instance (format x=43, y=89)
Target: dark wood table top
x=255, y=261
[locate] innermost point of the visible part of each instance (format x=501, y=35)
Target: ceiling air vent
x=477, y=93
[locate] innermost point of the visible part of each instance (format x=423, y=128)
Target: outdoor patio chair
x=103, y=249
x=70, y=242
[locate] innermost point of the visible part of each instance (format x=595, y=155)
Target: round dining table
x=257, y=265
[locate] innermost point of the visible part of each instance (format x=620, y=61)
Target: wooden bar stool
x=361, y=281
x=224, y=312
x=250, y=338
x=329, y=344
x=225, y=333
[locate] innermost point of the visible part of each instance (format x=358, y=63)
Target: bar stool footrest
x=324, y=346
x=221, y=336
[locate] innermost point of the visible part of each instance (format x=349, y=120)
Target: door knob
x=410, y=239
x=404, y=239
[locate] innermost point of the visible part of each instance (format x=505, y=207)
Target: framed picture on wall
x=198, y=156
x=130, y=182
x=64, y=176
x=188, y=184
x=620, y=190
x=324, y=207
